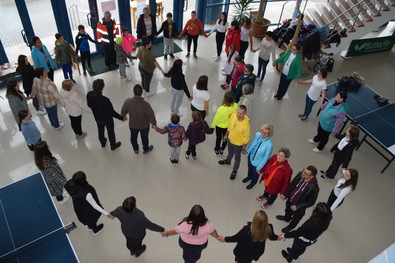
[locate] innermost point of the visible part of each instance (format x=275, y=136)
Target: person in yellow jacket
x=238, y=134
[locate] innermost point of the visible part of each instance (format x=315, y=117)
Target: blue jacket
x=260, y=151
x=39, y=60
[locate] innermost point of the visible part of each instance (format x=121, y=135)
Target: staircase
x=358, y=17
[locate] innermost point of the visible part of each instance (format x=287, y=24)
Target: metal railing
x=74, y=16
x=282, y=10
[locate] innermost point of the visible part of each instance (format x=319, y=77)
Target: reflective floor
x=362, y=227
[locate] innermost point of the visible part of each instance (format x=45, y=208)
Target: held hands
x=164, y=234
x=282, y=197
x=190, y=98
x=244, y=152
x=125, y=119
x=154, y=127
x=110, y=216
x=293, y=208
x=300, y=81
x=281, y=237
x=221, y=239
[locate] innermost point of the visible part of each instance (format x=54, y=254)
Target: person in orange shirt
x=192, y=28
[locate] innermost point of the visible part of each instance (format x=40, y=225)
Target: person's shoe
x=325, y=177
x=301, y=115
x=311, y=141
x=282, y=218
x=260, y=82
x=304, y=118
x=149, y=93
x=165, y=57
x=81, y=136
x=186, y=155
x=136, y=151
x=222, y=162
x=245, y=180
x=175, y=162
x=127, y=79
x=65, y=198
x=99, y=228
x=221, y=152
x=84, y=72
x=41, y=112
x=215, y=56
x=120, y=77
x=150, y=148
x=195, y=56
x=322, y=172
x=233, y=175
x=73, y=81
x=286, y=229
x=223, y=72
x=261, y=197
x=250, y=186
x=316, y=150
x=216, y=59
x=187, y=55
x=172, y=161
x=286, y=256
x=117, y=144
x=87, y=227
x=91, y=70
x=104, y=144
x=194, y=157
x=143, y=248
x=265, y=205
x=61, y=124
x=132, y=253
x=275, y=95
x=216, y=153
x=179, y=114
x=171, y=55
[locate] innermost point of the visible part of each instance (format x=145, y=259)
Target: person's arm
x=71, y=50
x=343, y=193
x=251, y=42
x=307, y=81
x=273, y=47
x=77, y=44
x=164, y=130
x=152, y=226
x=91, y=39
x=185, y=28
x=185, y=87
x=214, y=234
x=339, y=123
x=169, y=233
x=151, y=115
x=323, y=94
x=80, y=103
x=53, y=89
x=159, y=67
x=161, y=29
x=206, y=106
x=109, y=108
x=238, y=236
x=201, y=28
x=92, y=202
x=305, y=228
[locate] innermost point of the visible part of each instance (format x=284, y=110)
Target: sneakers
x=165, y=57
x=245, y=180
x=117, y=145
x=149, y=93
x=172, y=161
x=261, y=198
x=179, y=114
x=91, y=70
x=104, y=144
x=222, y=162
x=136, y=151
x=215, y=56
x=265, y=205
x=61, y=124
x=260, y=82
x=304, y=118
x=250, y=186
x=73, y=81
x=99, y=228
x=84, y=72
x=322, y=172
x=216, y=59
x=186, y=155
x=150, y=148
x=300, y=115
x=188, y=55
x=143, y=248
x=216, y=153
x=81, y=136
x=325, y=177
x=233, y=175
x=282, y=218
x=311, y=141
x=127, y=79
x=194, y=157
x=225, y=86
x=175, y=162
x=171, y=55
x=41, y=112
x=65, y=198
x=195, y=56
x=316, y=150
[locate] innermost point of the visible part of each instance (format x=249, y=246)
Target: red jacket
x=102, y=33
x=281, y=178
x=232, y=38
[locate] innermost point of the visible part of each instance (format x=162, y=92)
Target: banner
x=359, y=47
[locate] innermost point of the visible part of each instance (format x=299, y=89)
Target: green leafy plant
x=242, y=10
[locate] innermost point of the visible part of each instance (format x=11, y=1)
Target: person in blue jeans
x=63, y=52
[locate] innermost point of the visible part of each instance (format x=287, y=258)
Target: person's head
x=98, y=85
x=247, y=89
x=229, y=99
x=138, y=90
x=146, y=11
x=23, y=60
x=234, y=25
x=352, y=133
x=266, y=130
x=351, y=177
x=323, y=72
x=12, y=87
x=169, y=17
x=129, y=204
x=283, y=154
x=107, y=16
x=67, y=84
x=196, y=116
x=59, y=37
x=223, y=18
x=197, y=218
x=23, y=115
x=40, y=73
x=309, y=173
x=175, y=119
x=193, y=15
x=79, y=179
x=269, y=35
x=321, y=215
x=202, y=83
x=238, y=60
x=295, y=49
x=247, y=23
x=248, y=69
x=260, y=229
x=232, y=49
x=36, y=41
x=81, y=29
x=41, y=150
x=125, y=31
x=146, y=42
x=341, y=97
x=241, y=112
x=177, y=65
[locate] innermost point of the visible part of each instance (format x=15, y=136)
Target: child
x=196, y=133
x=232, y=37
x=221, y=26
x=230, y=65
x=179, y=86
x=176, y=136
x=129, y=43
x=247, y=98
x=122, y=57
x=238, y=71
x=192, y=28
x=63, y=52
x=81, y=41
x=29, y=129
x=245, y=36
x=170, y=32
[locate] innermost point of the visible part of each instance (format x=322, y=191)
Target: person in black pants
x=301, y=194
x=221, y=26
x=82, y=44
x=146, y=25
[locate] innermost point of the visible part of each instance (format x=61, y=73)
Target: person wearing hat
x=122, y=58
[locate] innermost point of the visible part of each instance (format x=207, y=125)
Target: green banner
x=367, y=46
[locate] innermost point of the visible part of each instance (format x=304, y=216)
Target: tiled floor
x=362, y=227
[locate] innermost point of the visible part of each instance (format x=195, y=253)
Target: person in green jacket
x=63, y=52
x=292, y=68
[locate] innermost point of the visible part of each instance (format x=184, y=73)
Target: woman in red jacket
x=233, y=37
x=276, y=175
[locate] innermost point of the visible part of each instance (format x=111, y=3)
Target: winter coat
x=281, y=179
x=196, y=132
x=259, y=151
x=73, y=104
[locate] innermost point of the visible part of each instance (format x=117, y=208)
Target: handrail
x=281, y=14
x=348, y=10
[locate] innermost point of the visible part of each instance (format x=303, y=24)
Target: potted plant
x=260, y=24
x=242, y=10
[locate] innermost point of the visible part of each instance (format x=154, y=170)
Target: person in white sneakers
x=221, y=27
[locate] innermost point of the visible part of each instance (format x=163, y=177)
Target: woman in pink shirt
x=194, y=230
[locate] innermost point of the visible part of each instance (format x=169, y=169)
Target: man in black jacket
x=301, y=194
x=103, y=111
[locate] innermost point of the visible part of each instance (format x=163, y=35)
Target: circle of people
x=231, y=124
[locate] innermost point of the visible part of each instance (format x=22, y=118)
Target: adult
x=140, y=117
x=107, y=32
x=192, y=28
x=193, y=230
x=63, y=53
x=258, y=153
x=238, y=135
x=147, y=64
x=331, y=120
x=276, y=175
x=245, y=36
x=251, y=238
x=301, y=194
x=221, y=121
x=291, y=68
x=345, y=186
x=16, y=99
x=342, y=152
x=42, y=58
x=104, y=112
x=48, y=96
x=146, y=25
x=232, y=37
x=266, y=48
x=247, y=99
x=247, y=78
x=201, y=97
x=221, y=26
x=134, y=225
x=308, y=233
x=86, y=203
x=317, y=89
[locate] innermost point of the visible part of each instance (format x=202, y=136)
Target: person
x=104, y=112
x=122, y=58
x=238, y=134
x=232, y=37
x=221, y=26
x=345, y=186
x=238, y=71
x=192, y=28
x=128, y=43
x=63, y=53
x=147, y=64
x=251, y=238
x=42, y=58
x=73, y=105
x=29, y=129
x=331, y=120
x=193, y=230
x=86, y=202
x=201, y=97
x=176, y=134
x=221, y=121
x=266, y=48
x=134, y=225
x=16, y=99
x=82, y=45
x=247, y=99
x=307, y=234
x=107, y=31
x=276, y=175
x=301, y=194
x=317, y=89
x=291, y=68
x=247, y=78
x=230, y=66
x=140, y=116
x=48, y=96
x=27, y=72
x=258, y=153
x=179, y=87
x=51, y=171
x=170, y=32
x=196, y=133
x=245, y=36
x=146, y=25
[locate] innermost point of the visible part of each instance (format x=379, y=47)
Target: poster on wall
x=140, y=5
x=108, y=6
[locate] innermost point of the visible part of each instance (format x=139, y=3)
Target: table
x=28, y=213
x=159, y=10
